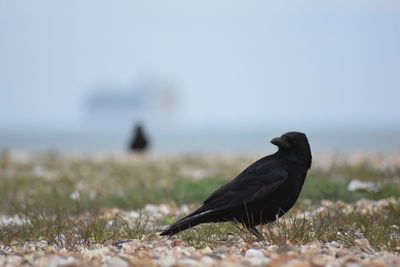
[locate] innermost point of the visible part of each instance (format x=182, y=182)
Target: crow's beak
x=280, y=142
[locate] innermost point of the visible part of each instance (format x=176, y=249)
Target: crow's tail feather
x=177, y=227
x=191, y=220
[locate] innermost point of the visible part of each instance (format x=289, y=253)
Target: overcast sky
x=238, y=63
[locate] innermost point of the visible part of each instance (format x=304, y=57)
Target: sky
x=236, y=64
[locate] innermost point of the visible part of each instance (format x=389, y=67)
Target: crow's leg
x=255, y=232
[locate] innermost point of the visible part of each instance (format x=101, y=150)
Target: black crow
x=139, y=142
x=264, y=191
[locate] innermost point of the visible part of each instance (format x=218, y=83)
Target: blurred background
x=199, y=76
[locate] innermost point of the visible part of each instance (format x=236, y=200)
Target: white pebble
x=254, y=253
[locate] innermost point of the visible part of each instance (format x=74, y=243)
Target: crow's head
x=294, y=143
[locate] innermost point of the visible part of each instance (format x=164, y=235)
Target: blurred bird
x=264, y=191
x=139, y=141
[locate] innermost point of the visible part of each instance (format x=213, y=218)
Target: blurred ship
x=114, y=109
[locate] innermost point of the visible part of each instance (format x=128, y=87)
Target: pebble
x=251, y=253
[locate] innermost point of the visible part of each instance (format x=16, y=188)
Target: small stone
x=134, y=214
x=356, y=185
x=251, y=253
x=206, y=250
x=378, y=263
x=297, y=263
x=190, y=262
x=284, y=249
x=221, y=250
x=310, y=249
x=178, y=242
x=115, y=262
x=207, y=260
x=319, y=261
x=57, y=260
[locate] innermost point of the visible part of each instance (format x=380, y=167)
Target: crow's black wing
x=255, y=182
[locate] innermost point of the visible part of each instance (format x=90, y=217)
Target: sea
x=88, y=141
